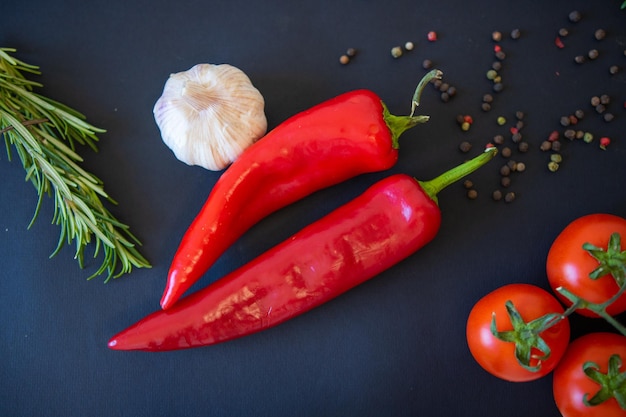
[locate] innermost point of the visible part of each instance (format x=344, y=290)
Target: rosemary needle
x=44, y=134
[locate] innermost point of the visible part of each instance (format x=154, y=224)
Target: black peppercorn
x=579, y=59
x=509, y=197
x=593, y=54
x=574, y=16
x=600, y=34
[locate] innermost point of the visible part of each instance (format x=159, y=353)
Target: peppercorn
x=501, y=120
x=556, y=146
x=564, y=121
x=579, y=59
x=498, y=87
x=505, y=181
x=444, y=86
x=501, y=55
x=409, y=46
x=427, y=64
x=496, y=65
x=344, y=59
x=574, y=16
x=588, y=137
x=553, y=166
x=472, y=194
x=496, y=36
x=579, y=134
x=608, y=117
x=555, y=157
x=451, y=91
x=600, y=108
x=487, y=98
x=595, y=100
x=563, y=32
x=468, y=184
x=445, y=97
x=505, y=171
x=559, y=43
x=497, y=195
x=600, y=34
x=491, y=74
x=523, y=147
x=570, y=134
x=604, y=142
x=579, y=114
x=519, y=115
x=517, y=137
x=512, y=165
x=465, y=126
x=520, y=167
x=546, y=145
x=396, y=52
x=613, y=69
x=605, y=99
x=506, y=152
x=519, y=125
x=554, y=135
x=485, y=107
x=509, y=197
x=465, y=146
x=593, y=54
x=351, y=52
x=515, y=34
x=432, y=36
x=498, y=139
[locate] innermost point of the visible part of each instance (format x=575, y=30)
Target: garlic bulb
x=209, y=114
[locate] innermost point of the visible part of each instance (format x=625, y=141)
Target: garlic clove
x=209, y=114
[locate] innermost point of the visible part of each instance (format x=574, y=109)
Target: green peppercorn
x=491, y=74
x=555, y=157
x=553, y=166
x=501, y=120
x=396, y=52
x=588, y=137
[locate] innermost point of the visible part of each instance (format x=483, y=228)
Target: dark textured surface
x=394, y=346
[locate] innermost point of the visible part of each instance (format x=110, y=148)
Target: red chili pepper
x=349, y=135
x=388, y=222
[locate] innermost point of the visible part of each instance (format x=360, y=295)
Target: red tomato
x=570, y=383
x=497, y=356
x=568, y=264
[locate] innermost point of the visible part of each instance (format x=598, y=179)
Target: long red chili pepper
x=349, y=135
x=387, y=223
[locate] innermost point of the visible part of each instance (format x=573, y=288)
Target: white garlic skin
x=209, y=114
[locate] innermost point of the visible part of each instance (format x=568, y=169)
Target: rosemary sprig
x=44, y=134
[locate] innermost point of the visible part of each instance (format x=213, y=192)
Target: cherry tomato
x=569, y=265
x=497, y=356
x=571, y=384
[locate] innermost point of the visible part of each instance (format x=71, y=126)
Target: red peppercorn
x=604, y=142
x=553, y=136
x=468, y=119
x=559, y=43
x=432, y=36
x=497, y=48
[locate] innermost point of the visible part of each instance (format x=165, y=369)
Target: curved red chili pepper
x=336, y=140
x=387, y=223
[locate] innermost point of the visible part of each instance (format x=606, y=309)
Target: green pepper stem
x=400, y=124
x=434, y=186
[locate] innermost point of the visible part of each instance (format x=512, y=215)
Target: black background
x=394, y=346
